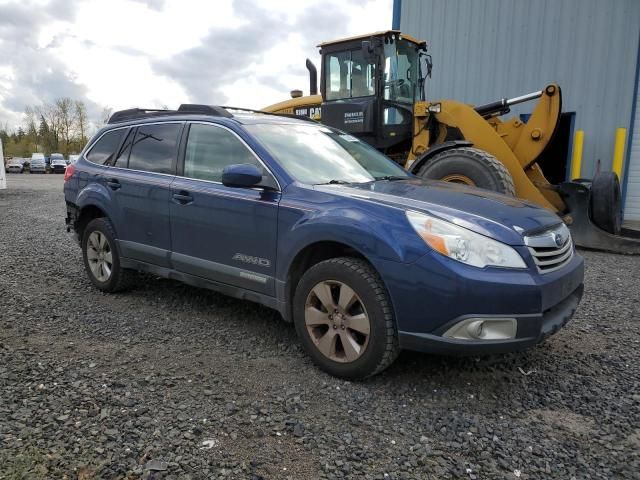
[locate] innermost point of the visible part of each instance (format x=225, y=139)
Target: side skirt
x=225, y=289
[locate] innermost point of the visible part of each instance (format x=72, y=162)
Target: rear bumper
x=531, y=330
x=71, y=219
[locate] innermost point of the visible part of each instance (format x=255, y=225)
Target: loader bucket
x=577, y=196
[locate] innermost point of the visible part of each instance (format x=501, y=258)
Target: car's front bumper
x=58, y=169
x=14, y=169
x=434, y=294
x=531, y=330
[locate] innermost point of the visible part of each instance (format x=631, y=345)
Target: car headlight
x=462, y=244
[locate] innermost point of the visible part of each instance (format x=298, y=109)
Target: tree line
x=58, y=127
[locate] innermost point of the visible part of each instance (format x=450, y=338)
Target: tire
x=472, y=167
x=118, y=278
x=370, y=353
x=605, y=202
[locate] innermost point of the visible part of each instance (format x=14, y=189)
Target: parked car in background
x=15, y=165
x=37, y=163
x=72, y=159
x=58, y=165
x=364, y=258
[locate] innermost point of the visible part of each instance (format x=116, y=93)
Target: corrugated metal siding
x=485, y=50
x=632, y=197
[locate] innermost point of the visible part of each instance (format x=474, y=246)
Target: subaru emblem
x=558, y=239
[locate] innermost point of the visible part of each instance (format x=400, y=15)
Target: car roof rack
x=191, y=108
x=286, y=115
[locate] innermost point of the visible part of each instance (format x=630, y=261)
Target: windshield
x=316, y=154
x=401, y=72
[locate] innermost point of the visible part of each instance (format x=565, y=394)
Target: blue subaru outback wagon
x=364, y=258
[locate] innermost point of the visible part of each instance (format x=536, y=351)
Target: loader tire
x=605, y=202
x=469, y=166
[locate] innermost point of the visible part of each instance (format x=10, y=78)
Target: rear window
x=104, y=149
x=154, y=148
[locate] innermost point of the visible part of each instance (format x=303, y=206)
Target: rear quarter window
x=104, y=149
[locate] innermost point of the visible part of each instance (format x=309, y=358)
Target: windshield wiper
x=392, y=178
x=334, y=182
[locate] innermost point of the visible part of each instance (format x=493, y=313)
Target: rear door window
x=154, y=148
x=210, y=149
x=122, y=160
x=105, y=149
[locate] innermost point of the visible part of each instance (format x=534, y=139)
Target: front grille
x=551, y=249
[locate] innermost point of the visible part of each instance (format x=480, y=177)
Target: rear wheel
x=469, y=166
x=101, y=258
x=344, y=319
x=605, y=202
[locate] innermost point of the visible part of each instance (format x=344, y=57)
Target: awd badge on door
x=261, y=262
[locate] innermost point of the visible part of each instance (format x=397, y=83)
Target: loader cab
x=369, y=85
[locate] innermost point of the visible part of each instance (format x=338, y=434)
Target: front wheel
x=344, y=319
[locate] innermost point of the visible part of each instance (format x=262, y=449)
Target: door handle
x=183, y=198
x=114, y=184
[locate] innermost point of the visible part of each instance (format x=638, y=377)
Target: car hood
x=504, y=218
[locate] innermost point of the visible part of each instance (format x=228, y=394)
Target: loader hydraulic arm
x=502, y=106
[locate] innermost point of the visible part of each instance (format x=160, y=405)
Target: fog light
x=478, y=329
x=474, y=329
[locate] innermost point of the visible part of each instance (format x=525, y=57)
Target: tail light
x=69, y=171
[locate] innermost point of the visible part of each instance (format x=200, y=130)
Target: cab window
x=349, y=75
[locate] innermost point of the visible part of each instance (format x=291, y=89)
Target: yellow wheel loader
x=372, y=86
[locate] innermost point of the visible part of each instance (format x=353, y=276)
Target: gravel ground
x=169, y=381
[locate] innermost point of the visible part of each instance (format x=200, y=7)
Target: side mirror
x=241, y=175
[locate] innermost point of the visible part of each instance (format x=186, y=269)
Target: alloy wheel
x=337, y=321
x=100, y=256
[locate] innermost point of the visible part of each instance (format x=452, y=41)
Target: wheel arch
x=92, y=202
x=312, y=254
x=86, y=213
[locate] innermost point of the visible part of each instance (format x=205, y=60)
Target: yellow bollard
x=618, y=151
x=576, y=159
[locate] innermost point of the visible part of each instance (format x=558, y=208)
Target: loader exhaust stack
x=313, y=77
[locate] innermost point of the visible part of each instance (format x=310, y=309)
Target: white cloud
x=125, y=53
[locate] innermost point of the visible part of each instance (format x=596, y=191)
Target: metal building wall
x=484, y=50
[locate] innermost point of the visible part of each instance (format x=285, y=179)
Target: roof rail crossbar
x=132, y=113
x=194, y=109
x=204, y=110
x=287, y=115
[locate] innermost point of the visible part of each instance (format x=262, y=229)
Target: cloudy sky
x=149, y=53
